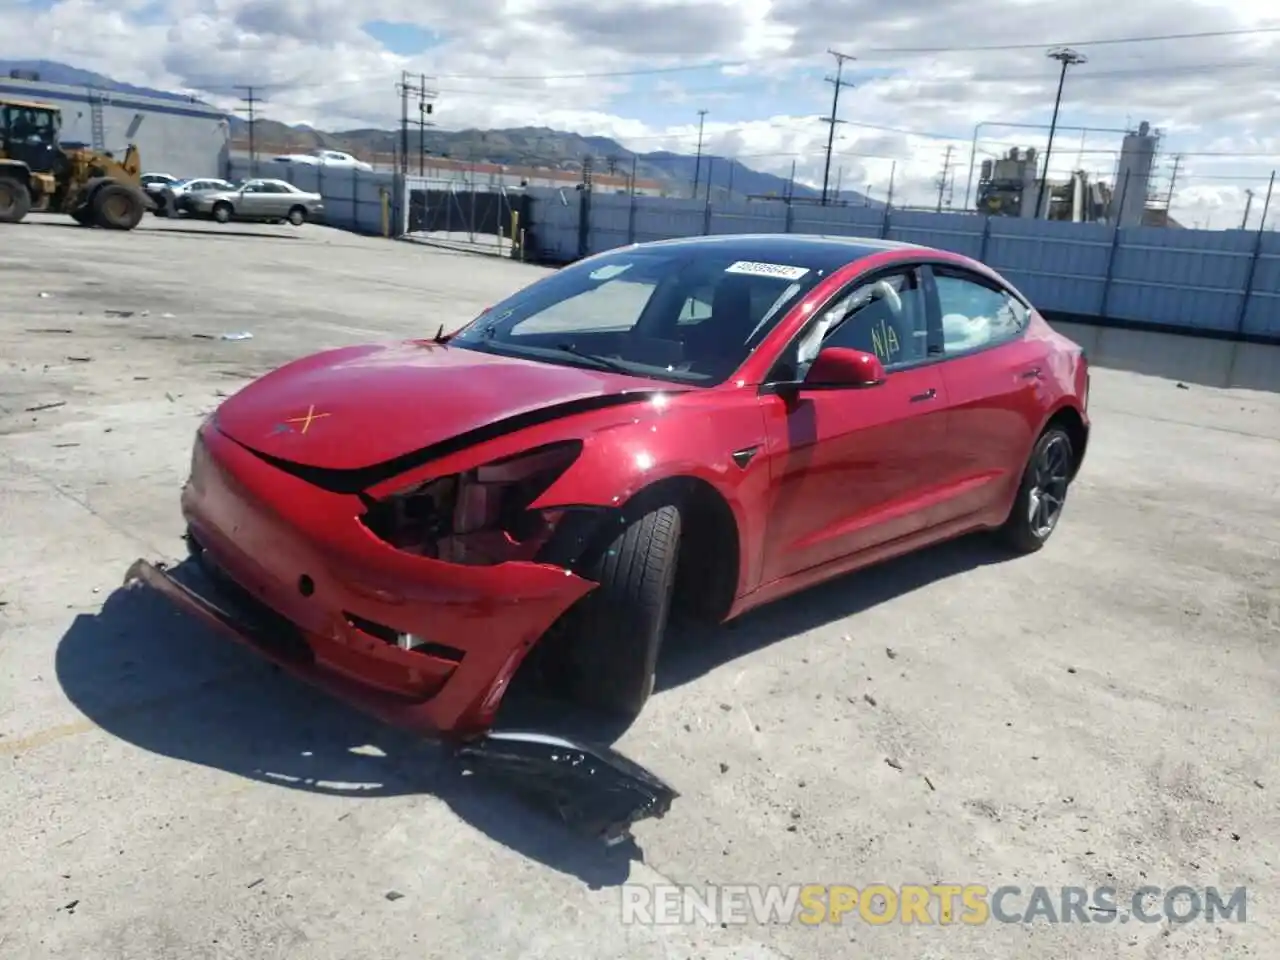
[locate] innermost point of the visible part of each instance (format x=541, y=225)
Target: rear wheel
x=1042, y=494
x=82, y=216
x=222, y=212
x=15, y=200
x=614, y=636
x=116, y=207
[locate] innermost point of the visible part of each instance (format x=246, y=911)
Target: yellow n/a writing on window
x=884, y=341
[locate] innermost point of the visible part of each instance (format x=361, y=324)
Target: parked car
x=324, y=158
x=154, y=183
x=170, y=198
x=259, y=199
x=703, y=425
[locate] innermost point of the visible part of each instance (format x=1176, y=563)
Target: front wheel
x=1042, y=494
x=297, y=216
x=116, y=207
x=15, y=200
x=616, y=632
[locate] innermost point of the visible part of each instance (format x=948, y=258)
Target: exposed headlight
x=479, y=517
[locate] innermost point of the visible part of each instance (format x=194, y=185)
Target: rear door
x=993, y=370
x=854, y=468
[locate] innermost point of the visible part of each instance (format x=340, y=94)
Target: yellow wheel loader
x=37, y=172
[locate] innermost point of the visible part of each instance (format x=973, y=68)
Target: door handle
x=1032, y=374
x=927, y=395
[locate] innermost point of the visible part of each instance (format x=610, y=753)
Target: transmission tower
x=943, y=177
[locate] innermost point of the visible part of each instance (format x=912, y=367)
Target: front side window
x=975, y=315
x=886, y=317
x=689, y=317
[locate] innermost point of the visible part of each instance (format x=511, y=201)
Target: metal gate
x=447, y=213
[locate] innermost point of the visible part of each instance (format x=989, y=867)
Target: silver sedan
x=261, y=200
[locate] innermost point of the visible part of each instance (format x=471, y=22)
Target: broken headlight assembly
x=479, y=517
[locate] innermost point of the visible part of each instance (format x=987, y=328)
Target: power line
x=1111, y=41
x=875, y=52
x=837, y=83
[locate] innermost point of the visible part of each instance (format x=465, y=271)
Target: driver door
x=252, y=199
x=852, y=469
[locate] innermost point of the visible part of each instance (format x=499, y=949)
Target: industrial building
x=184, y=138
x=1010, y=185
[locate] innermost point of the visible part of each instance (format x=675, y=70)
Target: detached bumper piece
x=229, y=609
x=591, y=787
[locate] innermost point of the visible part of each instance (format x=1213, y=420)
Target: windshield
x=680, y=315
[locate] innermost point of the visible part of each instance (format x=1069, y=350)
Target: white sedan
x=324, y=158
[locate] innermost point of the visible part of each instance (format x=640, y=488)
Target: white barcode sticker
x=782, y=271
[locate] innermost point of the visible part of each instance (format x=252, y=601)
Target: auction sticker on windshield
x=780, y=270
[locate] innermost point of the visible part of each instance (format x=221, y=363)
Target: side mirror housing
x=845, y=367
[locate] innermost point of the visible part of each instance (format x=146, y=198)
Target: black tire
x=15, y=200
x=615, y=634
x=83, y=216
x=297, y=216
x=117, y=207
x=222, y=212
x=1042, y=493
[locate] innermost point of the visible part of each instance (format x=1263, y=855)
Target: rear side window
x=976, y=315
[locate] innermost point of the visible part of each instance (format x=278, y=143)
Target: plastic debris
x=236, y=336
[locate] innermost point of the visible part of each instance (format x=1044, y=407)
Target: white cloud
x=1214, y=97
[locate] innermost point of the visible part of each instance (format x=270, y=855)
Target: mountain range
x=521, y=146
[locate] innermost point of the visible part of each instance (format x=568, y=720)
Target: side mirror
x=845, y=367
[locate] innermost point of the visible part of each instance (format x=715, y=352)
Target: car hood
x=357, y=407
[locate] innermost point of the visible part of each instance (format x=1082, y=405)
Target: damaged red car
x=701, y=424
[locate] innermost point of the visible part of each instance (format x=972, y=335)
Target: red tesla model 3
x=713, y=423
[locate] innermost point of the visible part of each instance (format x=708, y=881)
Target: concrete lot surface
x=1103, y=713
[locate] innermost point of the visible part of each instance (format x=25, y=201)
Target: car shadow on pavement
x=693, y=650
x=164, y=682
x=216, y=233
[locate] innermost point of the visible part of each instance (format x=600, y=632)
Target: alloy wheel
x=1049, y=488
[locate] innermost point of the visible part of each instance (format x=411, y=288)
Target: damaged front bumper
x=589, y=786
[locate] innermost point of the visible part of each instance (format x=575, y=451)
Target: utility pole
x=251, y=102
x=1248, y=202
x=837, y=83
x=1173, y=180
x=697, y=163
x=1067, y=57
x=942, y=177
x=425, y=109
x=404, y=88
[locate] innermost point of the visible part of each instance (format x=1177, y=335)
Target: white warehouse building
x=178, y=137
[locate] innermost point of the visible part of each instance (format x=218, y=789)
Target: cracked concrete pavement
x=1102, y=713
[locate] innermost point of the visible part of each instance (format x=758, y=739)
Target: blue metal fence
x=1221, y=282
